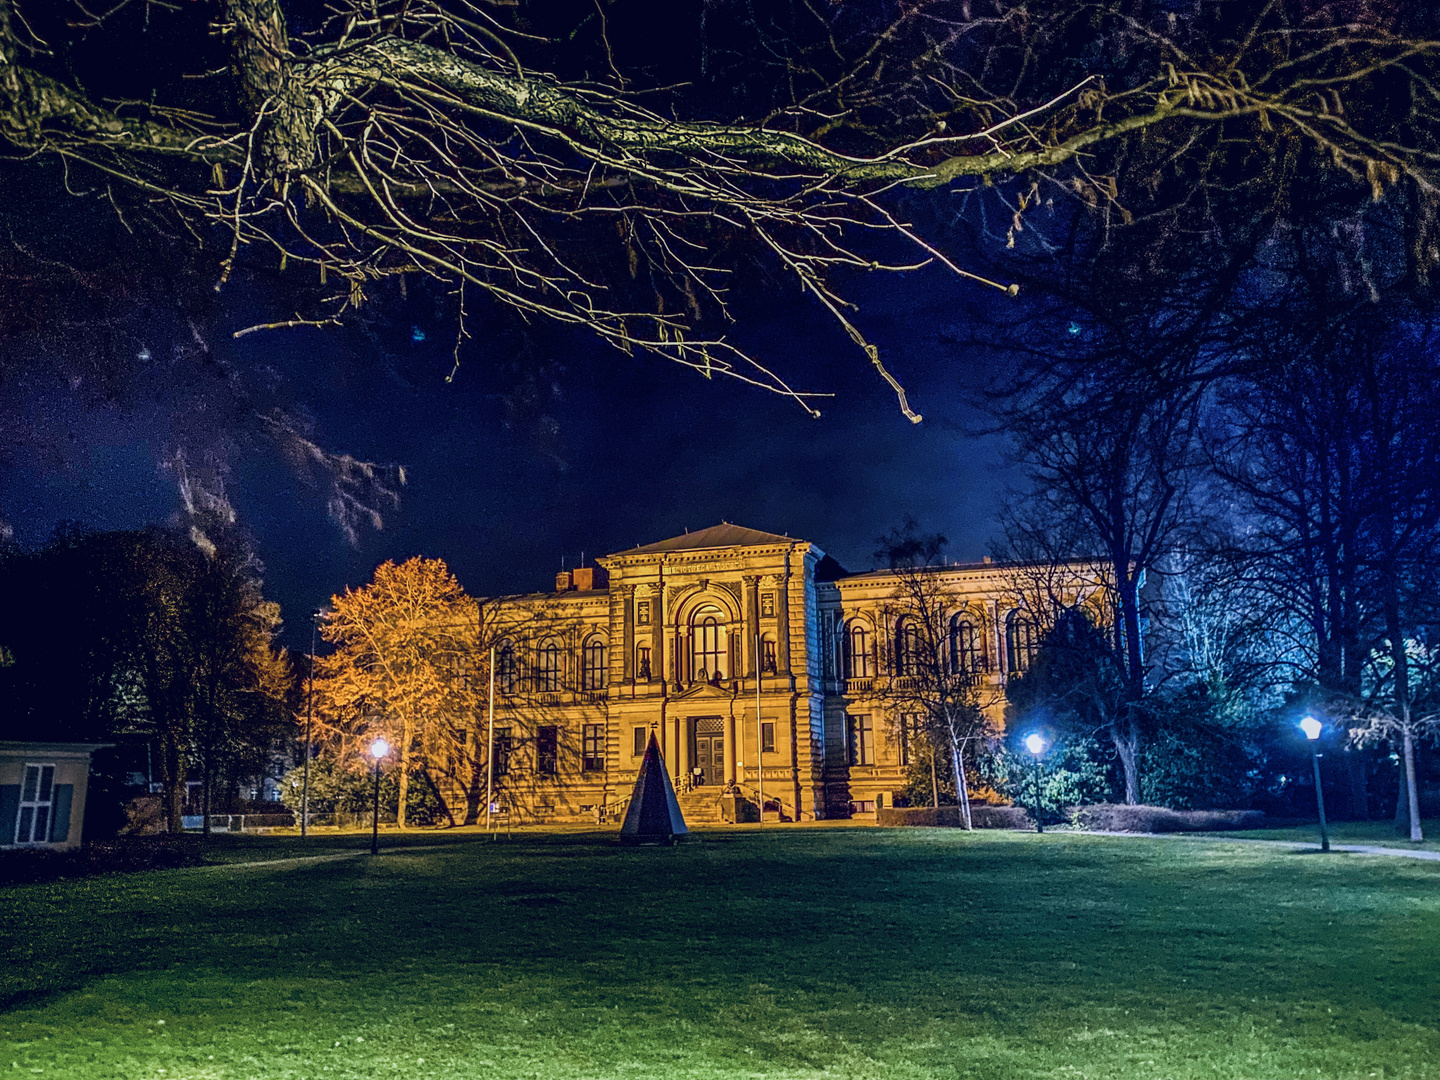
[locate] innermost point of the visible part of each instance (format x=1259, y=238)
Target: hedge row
x=124, y=855
x=982, y=817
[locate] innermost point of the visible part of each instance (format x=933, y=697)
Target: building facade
x=761, y=667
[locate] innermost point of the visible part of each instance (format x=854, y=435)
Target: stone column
x=681, y=765
x=730, y=749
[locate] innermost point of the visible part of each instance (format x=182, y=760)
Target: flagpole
x=759, y=740
x=490, y=746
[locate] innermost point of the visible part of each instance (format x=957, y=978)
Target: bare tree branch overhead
x=475, y=143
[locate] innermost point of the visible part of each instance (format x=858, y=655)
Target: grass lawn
x=1379, y=833
x=789, y=952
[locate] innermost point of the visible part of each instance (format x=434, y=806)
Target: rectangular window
x=642, y=740
x=503, y=746
x=862, y=741
x=547, y=750
x=592, y=748
x=767, y=738
x=32, y=825
x=862, y=806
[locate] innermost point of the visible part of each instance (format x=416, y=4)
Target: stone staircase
x=700, y=806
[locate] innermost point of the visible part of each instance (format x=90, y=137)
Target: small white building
x=42, y=793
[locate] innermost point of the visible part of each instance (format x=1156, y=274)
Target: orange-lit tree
x=405, y=667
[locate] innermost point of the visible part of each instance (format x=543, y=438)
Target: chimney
x=591, y=577
x=563, y=582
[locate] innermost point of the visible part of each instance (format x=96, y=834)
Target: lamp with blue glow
x=1312, y=729
x=378, y=749
x=1037, y=745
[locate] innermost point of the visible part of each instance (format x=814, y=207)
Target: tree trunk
x=962, y=790
x=934, y=780
x=405, y=737
x=440, y=798
x=1412, y=790
x=1126, y=738
x=173, y=783
x=205, y=794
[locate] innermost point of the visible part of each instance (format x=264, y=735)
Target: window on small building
x=503, y=747
x=1021, y=641
x=767, y=737
x=642, y=740
x=547, y=667
x=32, y=825
x=592, y=748
x=862, y=741
x=547, y=750
x=857, y=651
x=593, y=673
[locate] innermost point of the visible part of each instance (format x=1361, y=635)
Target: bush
x=336, y=789
x=1105, y=817
x=125, y=855
x=982, y=817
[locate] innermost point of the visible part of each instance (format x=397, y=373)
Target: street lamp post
x=1036, y=744
x=309, y=714
x=1312, y=729
x=378, y=749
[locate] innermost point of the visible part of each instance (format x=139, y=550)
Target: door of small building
x=710, y=750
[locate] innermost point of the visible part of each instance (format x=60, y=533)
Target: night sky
x=544, y=447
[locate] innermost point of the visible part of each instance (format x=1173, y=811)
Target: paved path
x=1354, y=849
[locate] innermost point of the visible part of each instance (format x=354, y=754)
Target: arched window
x=966, y=658
x=547, y=667
x=711, y=651
x=907, y=648
x=767, y=654
x=857, y=651
x=592, y=675
x=505, y=668
x=1020, y=642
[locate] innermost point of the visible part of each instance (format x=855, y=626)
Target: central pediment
x=701, y=691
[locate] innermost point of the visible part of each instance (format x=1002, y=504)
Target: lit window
x=862, y=741
x=592, y=748
x=857, y=651
x=709, y=636
x=593, y=676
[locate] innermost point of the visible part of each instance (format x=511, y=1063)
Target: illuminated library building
x=682, y=638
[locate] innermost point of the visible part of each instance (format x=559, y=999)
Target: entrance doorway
x=710, y=751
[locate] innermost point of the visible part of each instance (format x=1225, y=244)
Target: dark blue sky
x=525, y=460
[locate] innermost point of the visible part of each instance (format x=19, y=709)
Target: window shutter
x=9, y=809
x=60, y=814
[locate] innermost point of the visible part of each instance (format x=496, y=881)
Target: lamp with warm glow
x=378, y=749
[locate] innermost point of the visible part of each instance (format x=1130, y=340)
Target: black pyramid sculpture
x=653, y=816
